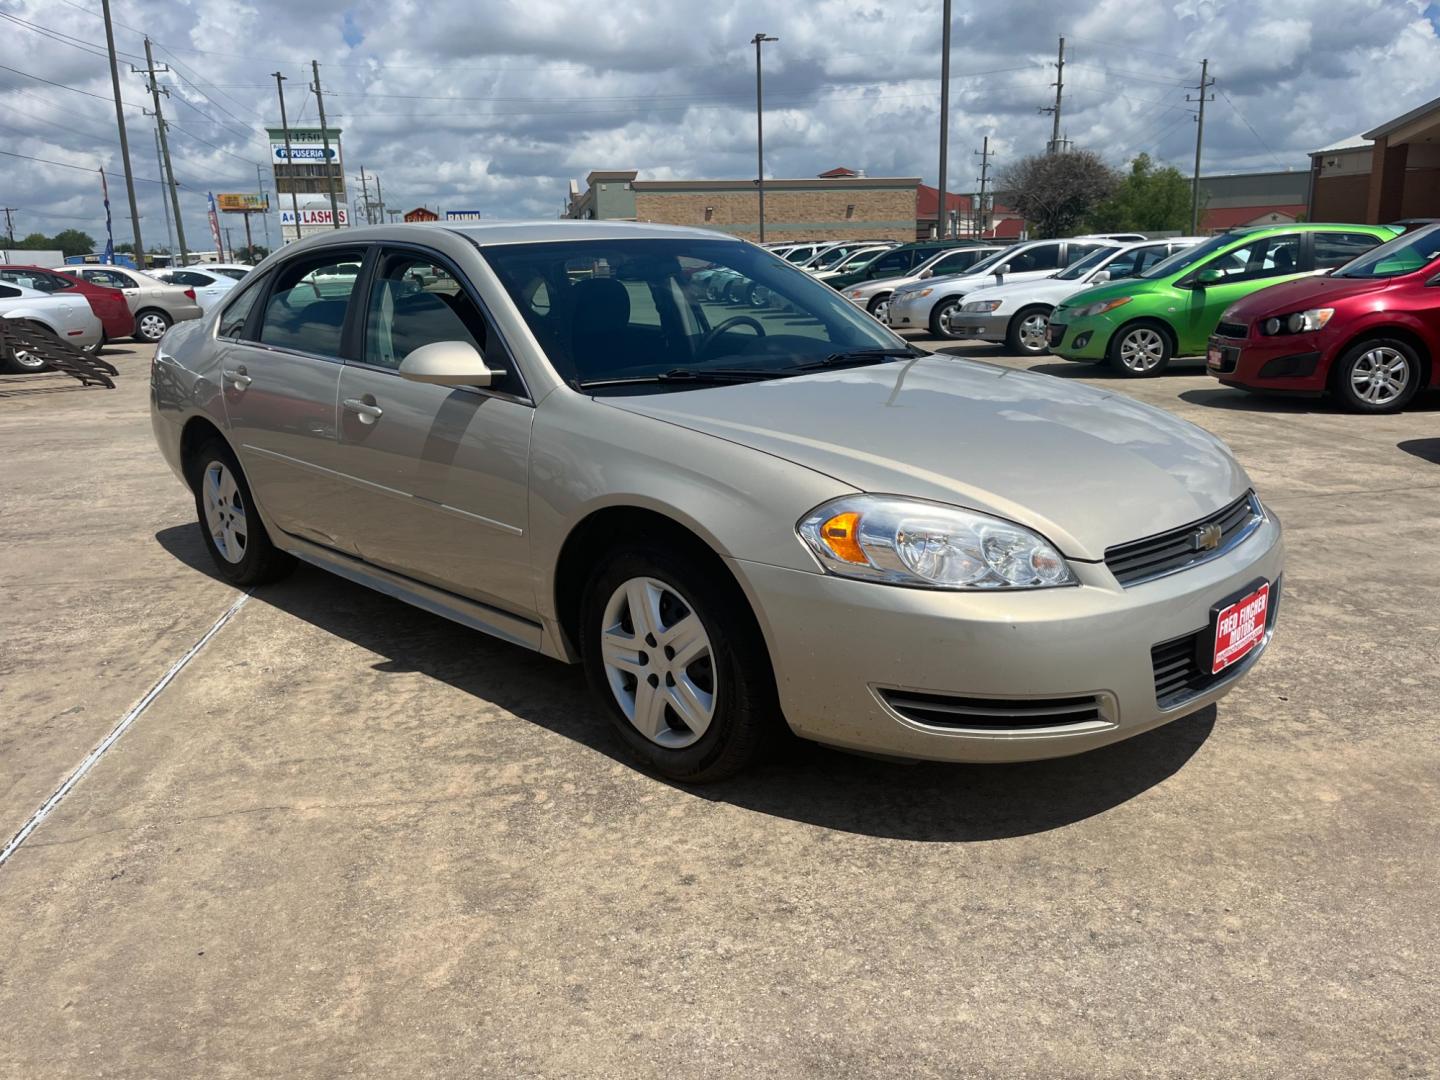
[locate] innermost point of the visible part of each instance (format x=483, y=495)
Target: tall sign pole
x=759, y=40
x=289, y=159
x=124, y=141
x=325, y=140
x=942, y=212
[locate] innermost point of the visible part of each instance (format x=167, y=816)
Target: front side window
x=414, y=302
x=1263, y=257
x=35, y=279
x=954, y=261
x=891, y=264
x=1403, y=255
x=307, y=308
x=641, y=309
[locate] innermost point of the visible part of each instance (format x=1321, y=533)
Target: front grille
x=1182, y=665
x=945, y=710
x=1177, y=549
x=1055, y=334
x=1232, y=330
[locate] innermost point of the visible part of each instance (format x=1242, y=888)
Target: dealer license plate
x=1239, y=627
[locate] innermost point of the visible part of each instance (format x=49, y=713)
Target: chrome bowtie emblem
x=1206, y=538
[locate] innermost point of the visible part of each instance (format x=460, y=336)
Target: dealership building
x=1384, y=174
x=837, y=204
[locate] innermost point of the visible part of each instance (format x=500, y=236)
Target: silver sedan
x=737, y=520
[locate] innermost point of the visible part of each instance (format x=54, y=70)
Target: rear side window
x=1075, y=252
x=955, y=262
x=32, y=279
x=233, y=319
x=1337, y=248
x=891, y=264
x=107, y=277
x=1041, y=257
x=188, y=277
x=8, y=293
x=307, y=308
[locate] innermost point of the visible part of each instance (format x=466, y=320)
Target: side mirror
x=1001, y=271
x=450, y=363
x=1208, y=276
x=1099, y=276
x=925, y=274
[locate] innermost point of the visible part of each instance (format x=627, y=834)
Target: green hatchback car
x=1139, y=324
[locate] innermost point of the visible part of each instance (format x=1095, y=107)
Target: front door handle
x=367, y=411
x=238, y=377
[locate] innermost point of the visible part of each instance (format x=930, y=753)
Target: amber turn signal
x=841, y=535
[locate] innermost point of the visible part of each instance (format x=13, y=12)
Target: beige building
x=824, y=208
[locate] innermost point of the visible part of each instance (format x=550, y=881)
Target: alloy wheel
x=881, y=309
x=152, y=326
x=659, y=662
x=1034, y=332
x=28, y=360
x=1381, y=376
x=224, y=512
x=947, y=313
x=1142, y=349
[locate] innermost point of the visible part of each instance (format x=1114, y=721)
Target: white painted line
x=125, y=721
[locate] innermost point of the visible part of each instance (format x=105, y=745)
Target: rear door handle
x=367, y=412
x=238, y=377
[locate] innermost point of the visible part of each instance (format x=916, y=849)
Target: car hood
x=1086, y=468
x=1137, y=287
x=969, y=283
x=1302, y=293
x=1015, y=293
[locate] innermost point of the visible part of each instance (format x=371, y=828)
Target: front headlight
x=1299, y=322
x=897, y=541
x=918, y=294
x=1099, y=307
x=857, y=294
x=982, y=305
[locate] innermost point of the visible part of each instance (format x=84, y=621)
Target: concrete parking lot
x=350, y=838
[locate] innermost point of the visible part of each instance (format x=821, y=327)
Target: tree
x=74, y=242
x=36, y=241
x=1147, y=200
x=1056, y=192
x=252, y=254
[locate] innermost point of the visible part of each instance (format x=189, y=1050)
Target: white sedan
x=230, y=270
x=68, y=317
x=211, y=286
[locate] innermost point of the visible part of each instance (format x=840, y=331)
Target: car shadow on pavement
x=1424, y=449
x=804, y=782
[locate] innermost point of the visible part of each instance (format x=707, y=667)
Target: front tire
x=1377, y=376
x=674, y=653
x=1028, y=332
x=942, y=317
x=1141, y=350
x=230, y=526
x=880, y=308
x=150, y=326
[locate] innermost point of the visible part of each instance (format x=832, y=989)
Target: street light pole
x=758, y=40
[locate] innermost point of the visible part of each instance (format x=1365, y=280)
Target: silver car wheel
x=1034, y=332
x=224, y=512
x=881, y=310
x=1142, y=349
x=658, y=662
x=152, y=327
x=29, y=361
x=1380, y=376
x=948, y=312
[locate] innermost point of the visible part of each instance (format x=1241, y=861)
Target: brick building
x=1387, y=173
x=842, y=203
x=1234, y=200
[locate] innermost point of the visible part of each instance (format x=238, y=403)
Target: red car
x=109, y=305
x=1368, y=332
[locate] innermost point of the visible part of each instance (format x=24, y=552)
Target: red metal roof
x=838, y=173
x=1231, y=217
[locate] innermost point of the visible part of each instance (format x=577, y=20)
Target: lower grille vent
x=944, y=710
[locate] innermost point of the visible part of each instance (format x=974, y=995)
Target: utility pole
x=1056, y=143
x=124, y=140
x=289, y=159
x=981, y=216
x=228, y=255
x=759, y=40
x=1205, y=83
x=150, y=71
x=260, y=190
x=164, y=204
x=365, y=196
x=9, y=224
x=379, y=202
x=942, y=210
x=325, y=140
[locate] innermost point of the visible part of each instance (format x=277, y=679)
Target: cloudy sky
x=495, y=104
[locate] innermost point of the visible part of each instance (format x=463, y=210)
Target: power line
x=68, y=165
x=1133, y=48
x=72, y=89
x=94, y=48
x=1258, y=137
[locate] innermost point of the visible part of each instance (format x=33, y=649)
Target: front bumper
x=983, y=326
x=1080, y=339
x=909, y=311
x=842, y=648
x=1291, y=362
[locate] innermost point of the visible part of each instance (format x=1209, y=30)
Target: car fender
x=1374, y=322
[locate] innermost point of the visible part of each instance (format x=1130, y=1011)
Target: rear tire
x=1141, y=350
x=699, y=723
x=230, y=525
x=1026, y=334
x=150, y=325
x=1376, y=376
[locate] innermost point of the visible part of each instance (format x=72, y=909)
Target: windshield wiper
x=695, y=376
x=858, y=356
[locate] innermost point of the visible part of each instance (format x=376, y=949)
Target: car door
x=281, y=349
x=1263, y=261
x=115, y=280
x=438, y=474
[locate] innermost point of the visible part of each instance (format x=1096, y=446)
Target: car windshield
x=1403, y=255
x=826, y=259
x=1188, y=257
x=681, y=312
x=1085, y=265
